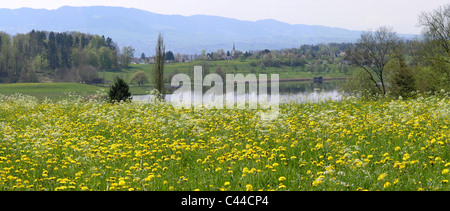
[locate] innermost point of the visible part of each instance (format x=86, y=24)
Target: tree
x=140, y=78
x=158, y=67
x=373, y=51
x=170, y=56
x=221, y=72
x=105, y=58
x=127, y=55
x=203, y=55
x=359, y=84
x=39, y=64
x=402, y=80
x=52, y=53
x=436, y=32
x=120, y=91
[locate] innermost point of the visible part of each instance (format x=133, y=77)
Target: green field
x=350, y=145
x=230, y=67
x=50, y=90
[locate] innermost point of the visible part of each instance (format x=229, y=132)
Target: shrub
x=120, y=91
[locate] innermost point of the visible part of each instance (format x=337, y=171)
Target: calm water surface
x=299, y=92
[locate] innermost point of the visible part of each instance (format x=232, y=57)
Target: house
x=134, y=61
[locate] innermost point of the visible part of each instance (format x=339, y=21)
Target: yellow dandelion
x=249, y=187
x=381, y=176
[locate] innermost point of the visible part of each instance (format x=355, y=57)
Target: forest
x=41, y=56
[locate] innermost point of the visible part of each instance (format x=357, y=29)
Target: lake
x=298, y=92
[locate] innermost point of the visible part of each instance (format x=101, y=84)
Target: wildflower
x=282, y=179
x=316, y=183
x=387, y=184
x=445, y=171
x=381, y=176
x=249, y=187
x=60, y=188
x=406, y=156
x=395, y=181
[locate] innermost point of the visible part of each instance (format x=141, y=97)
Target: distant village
x=176, y=58
x=334, y=50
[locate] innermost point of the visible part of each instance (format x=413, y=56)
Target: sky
x=402, y=15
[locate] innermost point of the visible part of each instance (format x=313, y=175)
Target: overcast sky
x=350, y=14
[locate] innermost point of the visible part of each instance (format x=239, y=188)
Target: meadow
x=53, y=91
x=351, y=145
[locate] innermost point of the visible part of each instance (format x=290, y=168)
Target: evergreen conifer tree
x=120, y=91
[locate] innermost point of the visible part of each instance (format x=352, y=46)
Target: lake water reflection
x=299, y=92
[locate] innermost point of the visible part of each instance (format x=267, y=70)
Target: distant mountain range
x=184, y=34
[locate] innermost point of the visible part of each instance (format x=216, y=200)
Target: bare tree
x=158, y=67
x=373, y=52
x=436, y=32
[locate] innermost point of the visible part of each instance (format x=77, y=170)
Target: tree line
x=389, y=65
x=58, y=57
x=314, y=58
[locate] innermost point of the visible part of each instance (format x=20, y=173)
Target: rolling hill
x=184, y=34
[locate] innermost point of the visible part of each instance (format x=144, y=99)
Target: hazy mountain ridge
x=184, y=34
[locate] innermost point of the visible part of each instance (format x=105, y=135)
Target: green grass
x=50, y=90
x=350, y=145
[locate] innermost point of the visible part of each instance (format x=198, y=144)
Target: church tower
x=234, y=50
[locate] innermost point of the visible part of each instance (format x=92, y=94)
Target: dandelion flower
x=381, y=176
x=249, y=187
